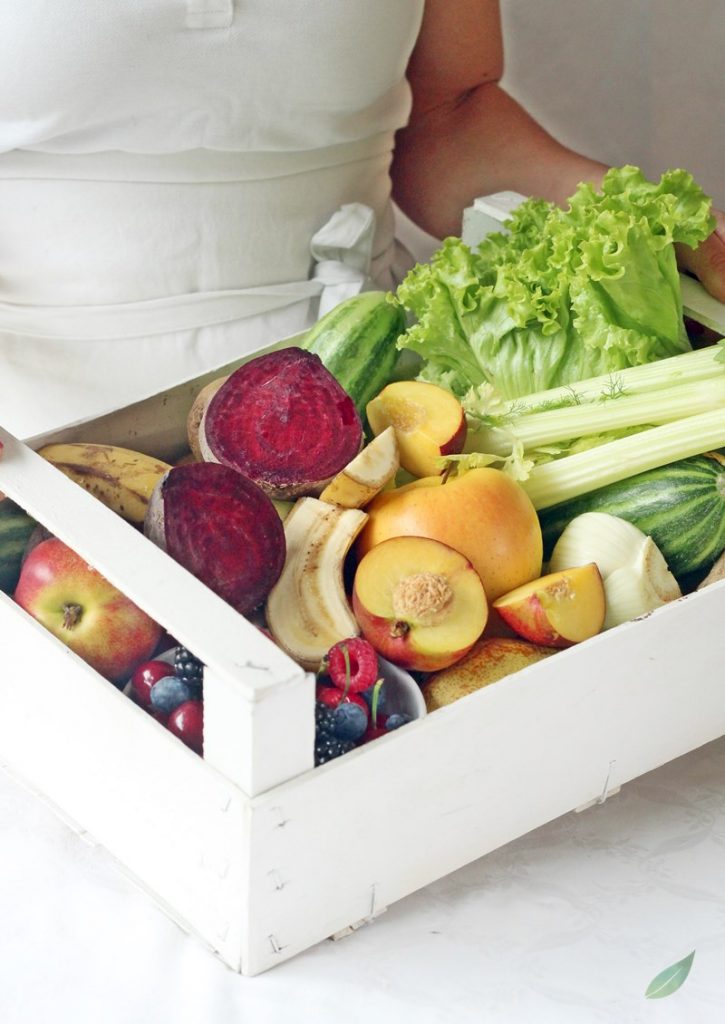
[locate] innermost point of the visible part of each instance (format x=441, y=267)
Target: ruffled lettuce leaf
x=562, y=294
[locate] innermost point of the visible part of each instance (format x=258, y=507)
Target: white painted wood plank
x=700, y=306
x=178, y=826
x=244, y=665
x=336, y=846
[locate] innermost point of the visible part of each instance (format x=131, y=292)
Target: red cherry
x=373, y=731
x=144, y=677
x=331, y=696
x=187, y=722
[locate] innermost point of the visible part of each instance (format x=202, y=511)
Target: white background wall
x=625, y=81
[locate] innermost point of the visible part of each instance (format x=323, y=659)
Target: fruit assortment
x=351, y=700
x=173, y=692
x=341, y=509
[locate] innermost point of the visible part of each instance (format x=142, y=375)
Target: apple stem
x=71, y=615
x=446, y=473
x=399, y=628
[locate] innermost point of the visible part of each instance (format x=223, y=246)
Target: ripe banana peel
x=307, y=610
x=119, y=477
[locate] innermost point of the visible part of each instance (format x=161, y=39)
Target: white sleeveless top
x=164, y=166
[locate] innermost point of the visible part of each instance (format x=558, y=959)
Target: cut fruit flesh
x=428, y=421
x=422, y=587
x=561, y=608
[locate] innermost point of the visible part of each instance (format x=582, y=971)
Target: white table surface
x=567, y=924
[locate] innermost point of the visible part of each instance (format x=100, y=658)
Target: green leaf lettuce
x=563, y=294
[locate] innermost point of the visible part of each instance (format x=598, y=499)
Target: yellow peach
x=484, y=514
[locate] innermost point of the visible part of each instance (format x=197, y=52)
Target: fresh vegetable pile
x=554, y=472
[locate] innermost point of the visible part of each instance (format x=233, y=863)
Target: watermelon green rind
x=356, y=342
x=15, y=530
x=681, y=506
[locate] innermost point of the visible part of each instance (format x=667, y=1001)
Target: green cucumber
x=356, y=343
x=15, y=530
x=680, y=506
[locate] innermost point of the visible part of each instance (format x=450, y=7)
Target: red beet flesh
x=283, y=421
x=222, y=528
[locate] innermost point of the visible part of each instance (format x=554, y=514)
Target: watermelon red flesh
x=283, y=421
x=224, y=530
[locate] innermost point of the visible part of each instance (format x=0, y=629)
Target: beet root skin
x=222, y=528
x=153, y=524
x=283, y=421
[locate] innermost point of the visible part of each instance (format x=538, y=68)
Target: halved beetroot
x=222, y=528
x=283, y=421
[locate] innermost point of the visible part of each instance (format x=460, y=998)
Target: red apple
x=78, y=605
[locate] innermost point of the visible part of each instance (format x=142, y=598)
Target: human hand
x=707, y=261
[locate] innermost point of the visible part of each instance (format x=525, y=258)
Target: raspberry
x=352, y=664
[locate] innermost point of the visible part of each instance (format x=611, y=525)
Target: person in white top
x=184, y=180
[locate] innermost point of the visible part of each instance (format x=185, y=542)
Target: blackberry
x=324, y=720
x=329, y=747
x=188, y=668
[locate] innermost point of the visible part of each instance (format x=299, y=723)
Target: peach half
x=428, y=422
x=419, y=603
x=557, y=610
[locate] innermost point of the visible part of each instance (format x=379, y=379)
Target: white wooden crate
x=252, y=849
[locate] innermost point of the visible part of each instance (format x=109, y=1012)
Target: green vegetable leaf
x=669, y=980
x=563, y=294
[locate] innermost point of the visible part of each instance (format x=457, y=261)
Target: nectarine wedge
x=419, y=603
x=557, y=610
x=428, y=422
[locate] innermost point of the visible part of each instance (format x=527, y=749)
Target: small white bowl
x=402, y=694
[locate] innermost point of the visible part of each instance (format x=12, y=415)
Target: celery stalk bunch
x=565, y=442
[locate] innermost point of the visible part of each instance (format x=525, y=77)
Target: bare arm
x=467, y=137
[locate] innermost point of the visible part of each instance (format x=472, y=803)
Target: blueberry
x=350, y=722
x=395, y=721
x=168, y=692
x=368, y=695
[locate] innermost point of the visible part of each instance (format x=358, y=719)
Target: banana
x=307, y=609
x=367, y=474
x=122, y=479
